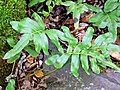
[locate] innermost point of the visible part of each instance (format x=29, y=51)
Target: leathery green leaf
x=10, y=85
x=18, y=47
x=31, y=51
x=39, y=20
x=84, y=62
x=60, y=35
x=68, y=3
x=71, y=9
x=28, y=25
x=110, y=6
x=96, y=54
x=37, y=42
x=69, y=49
x=44, y=43
x=41, y=42
x=61, y=61
x=66, y=31
x=95, y=68
x=72, y=40
x=113, y=47
x=104, y=38
x=97, y=17
x=111, y=65
x=77, y=48
x=14, y=25
x=88, y=36
x=11, y=41
x=75, y=63
x=51, y=60
x=93, y=8
x=48, y=2
x=34, y=2
x=13, y=59
x=54, y=38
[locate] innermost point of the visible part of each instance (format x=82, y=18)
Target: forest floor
x=62, y=79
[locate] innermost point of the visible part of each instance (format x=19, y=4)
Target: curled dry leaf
x=118, y=41
x=86, y=17
x=30, y=59
x=115, y=55
x=39, y=73
x=22, y=75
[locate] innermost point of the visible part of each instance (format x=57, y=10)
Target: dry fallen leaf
x=39, y=73
x=87, y=17
x=27, y=84
x=30, y=59
x=115, y=55
x=118, y=41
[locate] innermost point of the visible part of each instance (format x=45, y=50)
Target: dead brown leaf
x=30, y=59
x=86, y=17
x=118, y=41
x=115, y=55
x=39, y=73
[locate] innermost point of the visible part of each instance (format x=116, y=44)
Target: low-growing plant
x=96, y=53
x=88, y=53
x=50, y=5
x=11, y=85
x=34, y=31
x=107, y=17
x=76, y=8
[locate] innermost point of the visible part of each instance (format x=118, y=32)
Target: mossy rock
x=9, y=11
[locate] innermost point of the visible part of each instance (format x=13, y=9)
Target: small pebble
x=40, y=63
x=0, y=88
x=91, y=84
x=102, y=88
x=69, y=85
x=82, y=85
x=87, y=88
x=27, y=84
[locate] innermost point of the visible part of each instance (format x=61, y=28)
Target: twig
x=13, y=68
x=51, y=72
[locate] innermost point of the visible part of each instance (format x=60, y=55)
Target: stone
x=104, y=81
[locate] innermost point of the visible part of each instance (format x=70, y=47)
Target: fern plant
x=76, y=8
x=108, y=17
x=50, y=5
x=34, y=31
x=10, y=85
x=96, y=53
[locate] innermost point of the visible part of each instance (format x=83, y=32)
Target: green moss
x=9, y=11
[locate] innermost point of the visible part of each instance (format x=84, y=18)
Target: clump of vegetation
x=9, y=10
x=89, y=53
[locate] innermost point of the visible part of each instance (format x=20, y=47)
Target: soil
x=5, y=70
